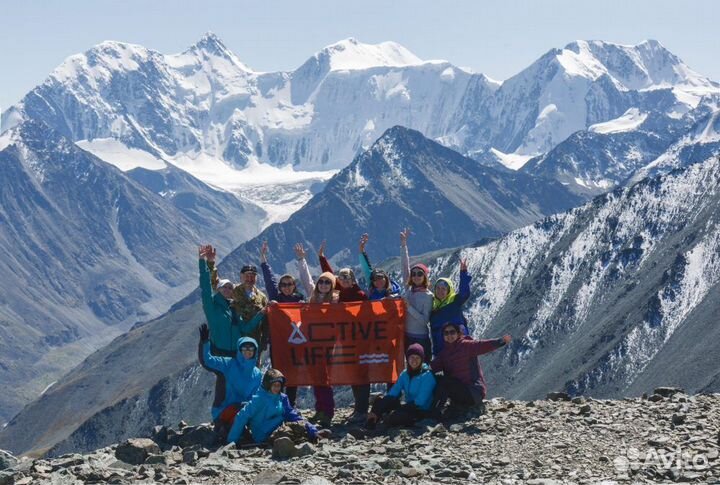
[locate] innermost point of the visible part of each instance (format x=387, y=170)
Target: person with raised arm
x=462, y=381
x=350, y=291
x=380, y=286
x=418, y=299
x=248, y=300
x=225, y=325
x=448, y=306
x=240, y=378
x=283, y=291
x=322, y=291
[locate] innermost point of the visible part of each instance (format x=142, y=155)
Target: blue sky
x=498, y=38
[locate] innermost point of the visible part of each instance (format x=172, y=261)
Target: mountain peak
x=646, y=65
x=349, y=54
x=210, y=45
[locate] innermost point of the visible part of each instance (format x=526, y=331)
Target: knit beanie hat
x=415, y=349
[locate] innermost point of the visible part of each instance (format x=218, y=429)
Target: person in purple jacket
x=462, y=381
x=284, y=291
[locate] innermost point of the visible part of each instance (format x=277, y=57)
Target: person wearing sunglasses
x=380, y=285
x=448, y=306
x=238, y=375
x=349, y=291
x=284, y=291
x=462, y=381
x=418, y=300
x=322, y=291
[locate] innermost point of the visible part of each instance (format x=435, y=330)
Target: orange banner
x=338, y=344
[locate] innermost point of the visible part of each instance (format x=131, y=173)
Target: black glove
x=204, y=332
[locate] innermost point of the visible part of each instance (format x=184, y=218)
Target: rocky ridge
x=665, y=437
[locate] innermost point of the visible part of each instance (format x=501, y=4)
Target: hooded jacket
x=460, y=360
x=264, y=414
x=273, y=290
x=242, y=377
x=449, y=310
x=418, y=389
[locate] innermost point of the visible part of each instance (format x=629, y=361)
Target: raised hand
x=463, y=265
x=202, y=251
x=321, y=249
x=263, y=252
x=299, y=251
x=211, y=253
x=204, y=332
x=403, y=236
x=363, y=241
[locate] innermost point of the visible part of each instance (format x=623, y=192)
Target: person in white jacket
x=418, y=299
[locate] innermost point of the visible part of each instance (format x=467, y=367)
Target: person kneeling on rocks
x=270, y=411
x=417, y=383
x=241, y=379
x=462, y=381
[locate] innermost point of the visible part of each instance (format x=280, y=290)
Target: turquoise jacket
x=226, y=327
x=242, y=377
x=418, y=389
x=263, y=415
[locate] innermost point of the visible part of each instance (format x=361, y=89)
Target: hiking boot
x=357, y=417
x=322, y=419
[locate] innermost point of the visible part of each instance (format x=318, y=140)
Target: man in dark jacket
x=462, y=381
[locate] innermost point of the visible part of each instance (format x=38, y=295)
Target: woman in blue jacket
x=240, y=378
x=267, y=411
x=447, y=307
x=416, y=383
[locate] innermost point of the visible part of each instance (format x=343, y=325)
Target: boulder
x=136, y=450
x=668, y=391
x=283, y=448
x=557, y=396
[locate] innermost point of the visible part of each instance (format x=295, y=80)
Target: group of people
x=442, y=378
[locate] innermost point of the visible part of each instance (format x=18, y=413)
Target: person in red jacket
x=349, y=290
x=462, y=381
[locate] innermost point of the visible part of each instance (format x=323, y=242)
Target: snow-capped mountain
x=628, y=149
x=87, y=252
x=609, y=299
x=210, y=114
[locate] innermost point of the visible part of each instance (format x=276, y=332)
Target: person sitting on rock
x=268, y=410
x=462, y=381
x=416, y=383
x=239, y=376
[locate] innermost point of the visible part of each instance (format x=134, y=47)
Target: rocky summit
x=667, y=436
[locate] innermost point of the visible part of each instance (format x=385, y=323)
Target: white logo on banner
x=296, y=337
x=373, y=359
